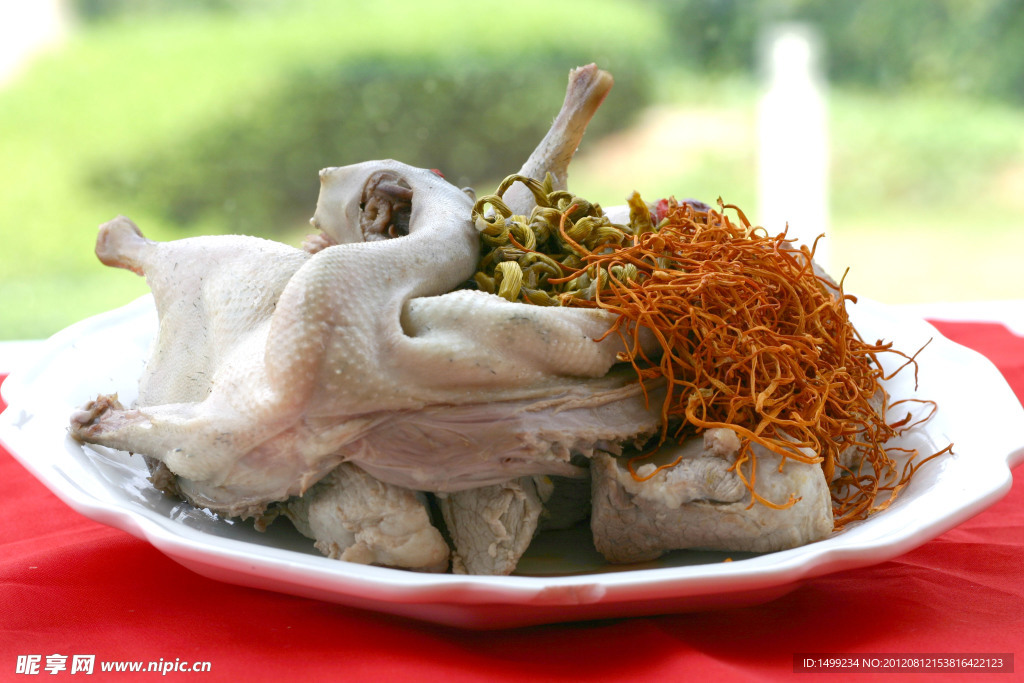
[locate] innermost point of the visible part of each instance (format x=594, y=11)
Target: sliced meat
x=491, y=526
x=356, y=518
x=702, y=503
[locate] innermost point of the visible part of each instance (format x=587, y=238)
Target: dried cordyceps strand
x=752, y=339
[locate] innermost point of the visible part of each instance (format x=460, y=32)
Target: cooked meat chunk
x=491, y=526
x=354, y=517
x=702, y=503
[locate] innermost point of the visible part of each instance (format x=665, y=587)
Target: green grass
x=926, y=193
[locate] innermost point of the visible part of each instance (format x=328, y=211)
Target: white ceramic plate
x=562, y=578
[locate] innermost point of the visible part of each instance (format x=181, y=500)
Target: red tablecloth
x=70, y=586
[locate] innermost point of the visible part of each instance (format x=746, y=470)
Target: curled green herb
x=537, y=258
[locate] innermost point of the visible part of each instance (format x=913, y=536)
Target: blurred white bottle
x=27, y=27
x=793, y=138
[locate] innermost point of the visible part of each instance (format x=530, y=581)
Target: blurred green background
x=215, y=116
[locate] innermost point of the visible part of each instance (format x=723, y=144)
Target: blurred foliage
x=102, y=10
x=252, y=165
x=950, y=46
x=970, y=47
x=255, y=167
